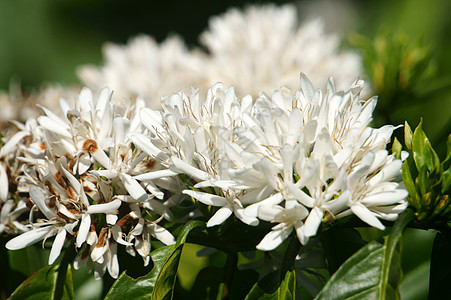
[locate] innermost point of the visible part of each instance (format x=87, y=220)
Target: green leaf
x=373, y=272
x=448, y=149
x=43, y=285
x=410, y=184
x=396, y=148
x=423, y=153
x=126, y=287
x=264, y=289
x=207, y=283
x=160, y=281
x=440, y=277
x=408, y=136
x=164, y=285
x=446, y=184
x=339, y=244
x=287, y=289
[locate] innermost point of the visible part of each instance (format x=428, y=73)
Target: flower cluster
x=109, y=171
x=295, y=159
x=74, y=179
x=259, y=49
x=103, y=170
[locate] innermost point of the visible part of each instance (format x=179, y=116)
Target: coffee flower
x=78, y=172
x=153, y=70
x=263, y=48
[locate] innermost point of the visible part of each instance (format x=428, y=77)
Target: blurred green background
x=44, y=41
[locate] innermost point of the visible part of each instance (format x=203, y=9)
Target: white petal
x=30, y=237
x=220, y=216
x=62, y=209
x=273, y=239
x=162, y=234
x=159, y=208
x=145, y=144
x=105, y=208
x=294, y=127
x=142, y=247
x=11, y=145
x=138, y=229
x=307, y=87
x=102, y=101
x=252, y=210
x=133, y=187
x=189, y=170
x=118, y=129
x=4, y=184
x=5, y=210
x=56, y=127
x=300, y=195
x=98, y=252
x=72, y=180
x=313, y=221
x=111, y=219
x=117, y=236
x=384, y=198
x=39, y=199
x=83, y=231
x=100, y=156
x=105, y=173
x=85, y=99
x=269, y=212
x=338, y=204
x=58, y=244
x=389, y=172
x=366, y=216
x=154, y=175
x=84, y=163
x=223, y=184
x=208, y=199
x=151, y=119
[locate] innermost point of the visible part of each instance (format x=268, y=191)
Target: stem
x=290, y=255
x=229, y=271
x=68, y=257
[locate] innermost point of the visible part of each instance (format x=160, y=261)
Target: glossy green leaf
x=44, y=285
x=164, y=285
x=373, y=272
x=160, y=281
x=264, y=289
x=339, y=244
x=126, y=287
x=287, y=289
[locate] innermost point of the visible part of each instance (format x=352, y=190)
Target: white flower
x=192, y=137
x=289, y=218
x=41, y=230
x=152, y=70
x=316, y=149
x=263, y=48
x=76, y=168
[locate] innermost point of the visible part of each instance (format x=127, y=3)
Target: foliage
x=346, y=260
